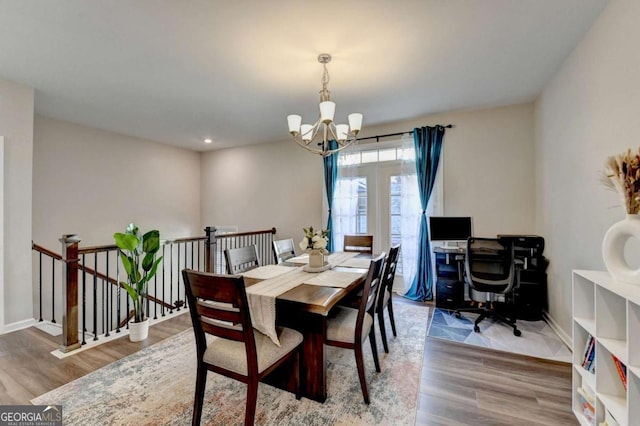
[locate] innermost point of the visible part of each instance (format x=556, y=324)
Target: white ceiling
x=179, y=71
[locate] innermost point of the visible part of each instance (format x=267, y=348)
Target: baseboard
x=18, y=325
x=112, y=336
x=566, y=339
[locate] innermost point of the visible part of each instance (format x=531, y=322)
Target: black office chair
x=490, y=270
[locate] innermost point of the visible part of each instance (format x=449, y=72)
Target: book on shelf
x=587, y=395
x=622, y=371
x=585, y=351
x=587, y=402
x=609, y=420
x=588, y=361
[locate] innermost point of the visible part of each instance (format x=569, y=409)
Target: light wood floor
x=460, y=384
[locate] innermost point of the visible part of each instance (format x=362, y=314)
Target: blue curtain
x=428, y=146
x=330, y=179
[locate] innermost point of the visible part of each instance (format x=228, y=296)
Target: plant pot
x=139, y=331
x=613, y=249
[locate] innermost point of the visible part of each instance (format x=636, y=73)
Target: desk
x=530, y=294
x=305, y=308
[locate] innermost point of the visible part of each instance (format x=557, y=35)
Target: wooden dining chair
x=218, y=306
x=385, y=299
x=358, y=243
x=241, y=259
x=348, y=327
x=283, y=250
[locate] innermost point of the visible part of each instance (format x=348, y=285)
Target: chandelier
x=343, y=134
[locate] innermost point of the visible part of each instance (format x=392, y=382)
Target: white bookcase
x=608, y=310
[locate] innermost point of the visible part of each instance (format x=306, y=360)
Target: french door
x=378, y=203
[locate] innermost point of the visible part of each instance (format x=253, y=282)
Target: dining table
x=286, y=295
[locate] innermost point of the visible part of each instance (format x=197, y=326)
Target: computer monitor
x=450, y=229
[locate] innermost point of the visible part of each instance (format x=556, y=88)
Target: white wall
x=587, y=112
x=488, y=175
x=16, y=125
x=262, y=186
x=488, y=168
x=93, y=183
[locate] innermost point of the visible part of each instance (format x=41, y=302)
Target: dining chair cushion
x=231, y=355
x=341, y=324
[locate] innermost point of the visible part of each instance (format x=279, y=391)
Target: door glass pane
x=395, y=219
x=361, y=210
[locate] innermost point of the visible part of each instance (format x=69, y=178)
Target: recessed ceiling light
x=208, y=140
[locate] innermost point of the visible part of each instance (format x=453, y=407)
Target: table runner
x=333, y=279
x=335, y=259
x=262, y=296
x=356, y=262
x=268, y=271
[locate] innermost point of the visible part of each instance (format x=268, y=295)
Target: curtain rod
x=377, y=138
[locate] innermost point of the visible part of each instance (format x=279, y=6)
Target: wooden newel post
x=210, y=247
x=70, y=298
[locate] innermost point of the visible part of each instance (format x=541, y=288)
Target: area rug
x=155, y=386
x=538, y=339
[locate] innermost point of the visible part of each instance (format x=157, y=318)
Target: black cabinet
x=449, y=284
x=449, y=293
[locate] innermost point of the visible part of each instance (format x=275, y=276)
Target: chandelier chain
x=325, y=94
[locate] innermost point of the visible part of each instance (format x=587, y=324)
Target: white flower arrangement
x=315, y=240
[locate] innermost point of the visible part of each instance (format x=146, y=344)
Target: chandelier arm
x=303, y=144
x=332, y=130
x=316, y=127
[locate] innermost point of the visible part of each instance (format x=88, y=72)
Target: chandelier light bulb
x=306, y=132
x=355, y=122
x=327, y=111
x=342, y=132
x=294, y=123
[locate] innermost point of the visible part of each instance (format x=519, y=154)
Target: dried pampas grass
x=622, y=173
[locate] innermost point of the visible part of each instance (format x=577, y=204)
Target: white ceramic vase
x=138, y=331
x=316, y=259
x=613, y=249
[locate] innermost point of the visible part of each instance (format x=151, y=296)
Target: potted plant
x=138, y=256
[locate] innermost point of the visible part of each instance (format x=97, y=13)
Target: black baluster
x=163, y=281
x=155, y=293
x=107, y=289
x=171, y=279
x=40, y=281
x=84, y=302
x=95, y=297
x=118, y=294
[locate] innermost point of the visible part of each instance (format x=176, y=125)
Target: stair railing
x=93, y=303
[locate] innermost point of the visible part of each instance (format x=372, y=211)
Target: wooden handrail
x=242, y=234
x=43, y=250
x=113, y=247
x=100, y=275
